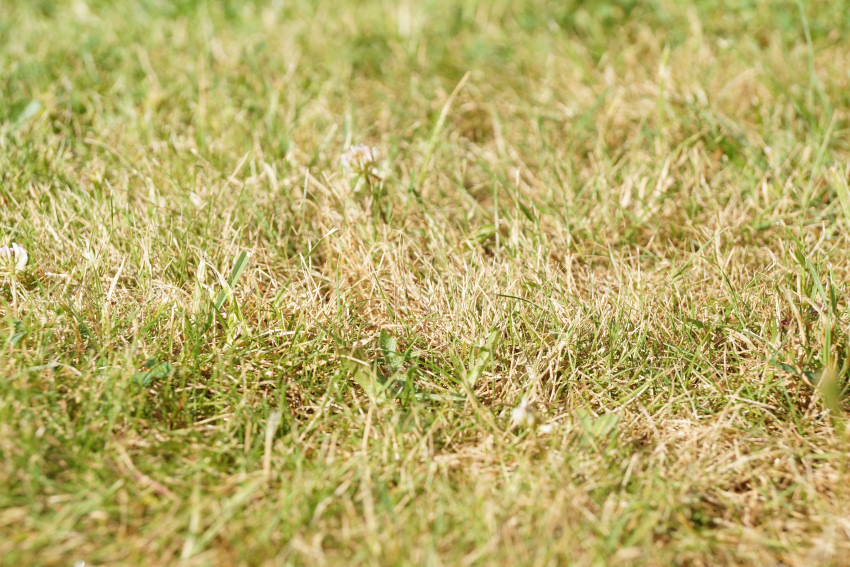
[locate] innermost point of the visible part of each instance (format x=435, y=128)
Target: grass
x=633, y=216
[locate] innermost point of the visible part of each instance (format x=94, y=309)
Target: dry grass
x=633, y=216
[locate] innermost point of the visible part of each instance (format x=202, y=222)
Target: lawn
x=587, y=305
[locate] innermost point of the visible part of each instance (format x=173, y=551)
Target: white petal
x=21, y=256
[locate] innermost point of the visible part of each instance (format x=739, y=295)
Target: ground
x=625, y=220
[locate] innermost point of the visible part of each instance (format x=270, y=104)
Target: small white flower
x=14, y=254
x=524, y=416
x=362, y=160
